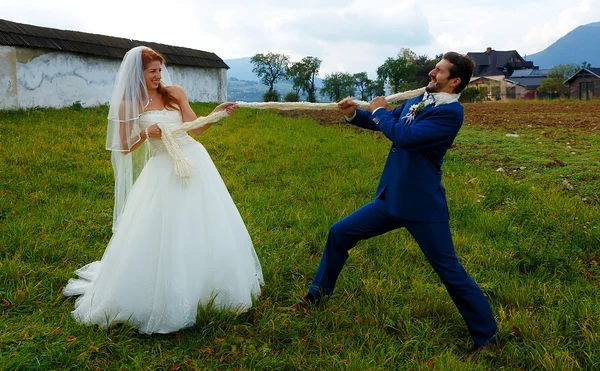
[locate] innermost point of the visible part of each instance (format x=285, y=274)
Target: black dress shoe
x=495, y=345
x=303, y=305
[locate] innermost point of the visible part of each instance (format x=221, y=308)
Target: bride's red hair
x=149, y=55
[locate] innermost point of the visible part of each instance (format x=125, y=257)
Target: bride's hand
x=154, y=131
x=230, y=107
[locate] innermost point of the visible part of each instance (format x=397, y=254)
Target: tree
x=362, y=83
x=375, y=88
x=554, y=83
x=338, y=85
x=270, y=68
x=303, y=74
x=396, y=72
x=424, y=65
x=585, y=64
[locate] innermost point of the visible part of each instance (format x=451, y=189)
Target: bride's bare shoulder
x=175, y=89
x=177, y=92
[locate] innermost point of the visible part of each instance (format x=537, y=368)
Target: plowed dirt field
x=506, y=116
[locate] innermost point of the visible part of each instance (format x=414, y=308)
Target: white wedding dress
x=176, y=246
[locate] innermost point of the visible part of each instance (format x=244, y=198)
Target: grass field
x=529, y=234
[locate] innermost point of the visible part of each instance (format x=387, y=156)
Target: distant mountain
x=253, y=91
x=580, y=45
x=243, y=84
x=241, y=69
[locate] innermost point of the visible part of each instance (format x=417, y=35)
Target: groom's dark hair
x=462, y=67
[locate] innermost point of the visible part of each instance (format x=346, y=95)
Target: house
x=47, y=67
x=492, y=67
x=525, y=83
x=585, y=84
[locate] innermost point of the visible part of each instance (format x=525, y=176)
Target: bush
x=495, y=90
x=291, y=97
x=474, y=94
x=77, y=106
x=469, y=95
x=483, y=93
x=271, y=96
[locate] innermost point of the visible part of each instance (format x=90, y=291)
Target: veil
x=127, y=103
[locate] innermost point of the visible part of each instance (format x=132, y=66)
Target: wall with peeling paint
x=43, y=78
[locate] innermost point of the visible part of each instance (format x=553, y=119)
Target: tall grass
x=530, y=241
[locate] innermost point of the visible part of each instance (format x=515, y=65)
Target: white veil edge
x=128, y=101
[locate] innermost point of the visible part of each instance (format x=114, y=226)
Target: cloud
x=563, y=21
x=349, y=35
x=525, y=26
x=344, y=35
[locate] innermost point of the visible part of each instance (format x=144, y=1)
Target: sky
x=348, y=36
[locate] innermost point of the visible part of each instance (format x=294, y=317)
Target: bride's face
x=152, y=74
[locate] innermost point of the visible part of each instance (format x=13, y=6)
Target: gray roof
x=595, y=71
x=496, y=62
x=24, y=35
x=527, y=82
x=585, y=71
x=530, y=73
x=530, y=78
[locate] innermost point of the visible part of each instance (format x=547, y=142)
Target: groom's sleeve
x=433, y=129
x=363, y=120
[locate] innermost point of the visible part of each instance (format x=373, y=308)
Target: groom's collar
x=440, y=98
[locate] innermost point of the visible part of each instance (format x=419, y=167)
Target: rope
x=326, y=106
x=183, y=166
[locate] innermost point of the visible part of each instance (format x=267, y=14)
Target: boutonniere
x=415, y=109
x=437, y=99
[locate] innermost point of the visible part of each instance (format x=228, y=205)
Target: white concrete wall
x=8, y=77
x=37, y=77
x=55, y=79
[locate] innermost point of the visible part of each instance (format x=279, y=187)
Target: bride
x=175, y=244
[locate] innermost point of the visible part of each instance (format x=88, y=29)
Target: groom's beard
x=436, y=88
x=432, y=89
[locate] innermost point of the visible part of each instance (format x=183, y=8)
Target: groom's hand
x=378, y=102
x=347, y=106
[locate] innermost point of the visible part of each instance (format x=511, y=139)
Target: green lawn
x=529, y=236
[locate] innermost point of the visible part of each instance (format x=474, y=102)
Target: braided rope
x=183, y=166
x=326, y=106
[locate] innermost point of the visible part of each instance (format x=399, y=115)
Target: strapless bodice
x=172, y=119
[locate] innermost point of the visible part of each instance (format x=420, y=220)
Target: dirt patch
x=503, y=116
x=510, y=115
x=555, y=163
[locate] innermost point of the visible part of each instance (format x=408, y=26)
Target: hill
x=252, y=91
x=241, y=69
x=579, y=45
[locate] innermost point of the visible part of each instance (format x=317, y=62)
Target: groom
x=410, y=193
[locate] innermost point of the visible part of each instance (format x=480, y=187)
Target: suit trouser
x=435, y=241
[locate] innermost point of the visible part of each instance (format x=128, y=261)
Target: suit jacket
x=411, y=182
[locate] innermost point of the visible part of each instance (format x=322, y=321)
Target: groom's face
x=440, y=78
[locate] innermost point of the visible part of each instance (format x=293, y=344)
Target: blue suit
x=411, y=195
